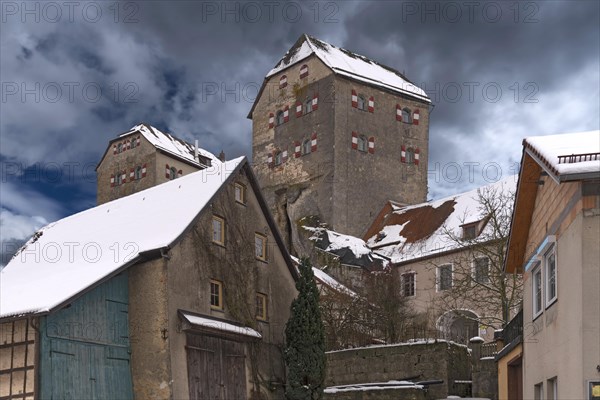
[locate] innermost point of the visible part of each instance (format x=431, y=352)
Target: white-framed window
x=409, y=284
x=406, y=115
x=537, y=290
x=260, y=246
x=306, y=146
x=444, y=277
x=481, y=270
x=216, y=294
x=218, y=230
x=261, y=306
x=550, y=276
x=363, y=144
x=240, y=193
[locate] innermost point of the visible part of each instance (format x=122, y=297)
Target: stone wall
x=378, y=394
x=415, y=362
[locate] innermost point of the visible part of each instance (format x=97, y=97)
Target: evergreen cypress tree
x=305, y=341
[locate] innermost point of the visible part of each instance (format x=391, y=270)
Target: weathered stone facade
x=414, y=362
x=342, y=185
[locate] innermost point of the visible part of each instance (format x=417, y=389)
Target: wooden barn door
x=216, y=368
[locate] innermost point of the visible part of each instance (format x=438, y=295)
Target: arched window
x=120, y=148
x=278, y=158
x=173, y=173
x=410, y=155
x=306, y=147
x=280, y=118
x=362, y=143
x=138, y=172
x=307, y=105
x=407, y=115
x=362, y=103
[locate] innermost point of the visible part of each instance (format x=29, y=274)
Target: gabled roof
x=566, y=157
x=68, y=257
x=169, y=144
x=419, y=231
x=348, y=64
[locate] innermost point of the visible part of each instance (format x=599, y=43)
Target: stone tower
x=336, y=135
x=144, y=157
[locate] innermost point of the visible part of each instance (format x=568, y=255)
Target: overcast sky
x=76, y=74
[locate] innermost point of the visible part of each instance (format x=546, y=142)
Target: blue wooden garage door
x=84, y=349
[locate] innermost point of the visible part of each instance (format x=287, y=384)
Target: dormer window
x=469, y=231
x=280, y=118
x=406, y=115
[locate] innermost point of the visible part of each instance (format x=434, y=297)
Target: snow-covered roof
x=171, y=144
x=566, y=155
x=421, y=230
x=349, y=249
x=326, y=279
x=349, y=64
x=215, y=324
x=68, y=256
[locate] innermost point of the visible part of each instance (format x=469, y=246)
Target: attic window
x=173, y=173
x=303, y=71
x=133, y=143
x=406, y=115
x=120, y=148
x=469, y=231
x=240, y=193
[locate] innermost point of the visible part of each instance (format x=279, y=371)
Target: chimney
x=222, y=156
x=196, y=150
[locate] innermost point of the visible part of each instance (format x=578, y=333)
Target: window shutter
x=131, y=174
x=371, y=104
x=286, y=114
x=167, y=172
x=144, y=171
x=297, y=149
x=417, y=151
x=416, y=117
x=112, y=181
x=282, y=81
x=354, y=140
x=298, y=109
x=139, y=141
x=270, y=160
x=403, y=153
x=303, y=71
x=313, y=142
x=180, y=173
x=114, y=149
x=284, y=156
x=354, y=99
x=372, y=145
x=315, y=101
x=398, y=113
x=271, y=120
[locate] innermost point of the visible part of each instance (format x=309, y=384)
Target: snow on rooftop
x=67, y=256
x=549, y=148
x=220, y=325
x=421, y=230
x=346, y=63
x=331, y=282
x=363, y=387
x=171, y=144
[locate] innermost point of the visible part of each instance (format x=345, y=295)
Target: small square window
x=216, y=294
x=260, y=246
x=218, y=230
x=261, y=306
x=240, y=193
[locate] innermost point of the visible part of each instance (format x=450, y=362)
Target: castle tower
x=143, y=157
x=336, y=135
